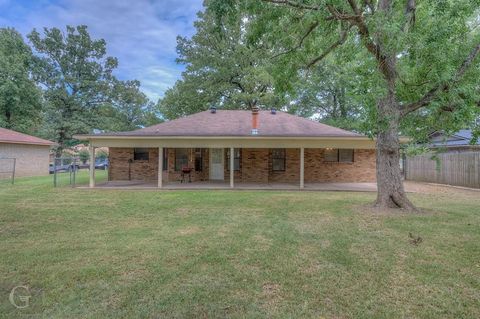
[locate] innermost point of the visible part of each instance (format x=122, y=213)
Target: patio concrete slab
x=212, y=185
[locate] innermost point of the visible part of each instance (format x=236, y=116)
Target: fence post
x=54, y=172
x=13, y=172
x=74, y=171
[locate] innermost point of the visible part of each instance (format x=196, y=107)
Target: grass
x=239, y=254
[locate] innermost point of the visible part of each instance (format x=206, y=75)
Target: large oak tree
x=418, y=62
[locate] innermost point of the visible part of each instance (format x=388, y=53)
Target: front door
x=216, y=164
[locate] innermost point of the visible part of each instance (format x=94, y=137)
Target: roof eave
x=173, y=137
x=28, y=143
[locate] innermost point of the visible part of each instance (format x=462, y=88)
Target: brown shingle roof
x=239, y=123
x=9, y=136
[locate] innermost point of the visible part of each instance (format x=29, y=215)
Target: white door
x=216, y=164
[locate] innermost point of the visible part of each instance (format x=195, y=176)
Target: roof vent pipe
x=255, y=120
x=213, y=110
x=273, y=111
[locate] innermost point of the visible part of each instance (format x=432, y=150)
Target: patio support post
x=92, y=166
x=160, y=167
x=302, y=167
x=232, y=162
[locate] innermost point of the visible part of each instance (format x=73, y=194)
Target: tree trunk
x=391, y=193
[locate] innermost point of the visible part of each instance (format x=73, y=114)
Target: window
x=140, y=154
x=181, y=158
x=278, y=159
x=165, y=159
x=339, y=155
x=198, y=160
x=345, y=155
x=236, y=159
x=331, y=155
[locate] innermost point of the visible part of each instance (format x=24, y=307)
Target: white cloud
x=141, y=34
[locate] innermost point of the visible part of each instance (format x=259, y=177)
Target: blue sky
x=140, y=33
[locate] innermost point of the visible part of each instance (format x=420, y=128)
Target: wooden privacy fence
x=461, y=169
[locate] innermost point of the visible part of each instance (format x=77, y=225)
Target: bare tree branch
x=445, y=86
x=294, y=4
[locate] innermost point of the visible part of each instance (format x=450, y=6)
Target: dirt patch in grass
x=375, y=211
x=271, y=294
x=189, y=230
x=427, y=188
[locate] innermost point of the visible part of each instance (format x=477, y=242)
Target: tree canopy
x=415, y=66
x=20, y=98
x=224, y=68
x=81, y=93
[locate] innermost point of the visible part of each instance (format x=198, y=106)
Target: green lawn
x=240, y=254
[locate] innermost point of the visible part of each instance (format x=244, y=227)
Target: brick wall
x=123, y=167
x=255, y=167
x=31, y=160
x=361, y=170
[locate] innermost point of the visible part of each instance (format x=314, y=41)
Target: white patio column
x=302, y=167
x=92, y=166
x=232, y=162
x=160, y=167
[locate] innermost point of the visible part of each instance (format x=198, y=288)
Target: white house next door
x=216, y=163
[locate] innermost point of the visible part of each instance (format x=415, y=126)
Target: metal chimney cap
x=273, y=111
x=213, y=110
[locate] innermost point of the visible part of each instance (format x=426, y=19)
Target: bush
x=101, y=155
x=84, y=155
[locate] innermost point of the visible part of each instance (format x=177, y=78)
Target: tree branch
x=445, y=86
x=370, y=6
x=293, y=4
x=340, y=41
x=312, y=27
x=358, y=21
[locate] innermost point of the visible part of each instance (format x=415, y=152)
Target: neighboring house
x=31, y=154
x=238, y=147
x=458, y=142
x=452, y=160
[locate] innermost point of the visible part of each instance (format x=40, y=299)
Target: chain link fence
x=64, y=171
x=7, y=170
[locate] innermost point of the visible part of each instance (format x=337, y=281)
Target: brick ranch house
x=233, y=147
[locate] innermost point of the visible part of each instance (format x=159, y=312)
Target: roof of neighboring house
x=460, y=138
x=239, y=123
x=9, y=136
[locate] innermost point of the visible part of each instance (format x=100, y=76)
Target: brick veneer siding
x=255, y=166
x=31, y=160
x=361, y=170
x=123, y=167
